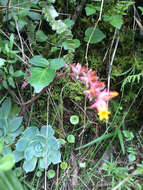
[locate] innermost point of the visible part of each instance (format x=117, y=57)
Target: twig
x=78, y=10
x=99, y=19
x=21, y=42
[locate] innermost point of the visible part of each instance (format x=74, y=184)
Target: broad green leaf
x=9, y=181
x=141, y=9
x=90, y=9
x=7, y=162
x=57, y=63
x=34, y=15
x=40, y=36
x=114, y=20
x=29, y=165
x=38, y=60
x=41, y=77
x=69, y=22
x=97, y=36
x=76, y=43
x=2, y=62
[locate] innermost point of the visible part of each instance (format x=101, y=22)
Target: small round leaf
x=71, y=139
x=74, y=119
x=51, y=174
x=63, y=165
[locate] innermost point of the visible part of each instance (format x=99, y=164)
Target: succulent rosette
x=10, y=125
x=34, y=147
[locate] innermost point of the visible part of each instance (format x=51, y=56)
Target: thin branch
x=99, y=19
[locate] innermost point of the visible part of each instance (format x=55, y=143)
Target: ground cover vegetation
x=71, y=95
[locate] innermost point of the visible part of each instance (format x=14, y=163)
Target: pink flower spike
x=77, y=70
x=105, y=95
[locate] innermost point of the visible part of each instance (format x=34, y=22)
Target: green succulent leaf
x=21, y=144
x=1, y=146
x=29, y=165
x=97, y=36
x=51, y=174
x=54, y=157
x=43, y=131
x=41, y=78
x=43, y=162
x=5, y=109
x=18, y=155
x=14, y=124
x=7, y=162
x=30, y=132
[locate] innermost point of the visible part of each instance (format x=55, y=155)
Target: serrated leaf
x=114, y=20
x=41, y=78
x=97, y=36
x=7, y=162
x=29, y=165
x=57, y=63
x=90, y=9
x=38, y=60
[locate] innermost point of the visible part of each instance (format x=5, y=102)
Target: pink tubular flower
x=105, y=95
x=77, y=70
x=95, y=91
x=102, y=109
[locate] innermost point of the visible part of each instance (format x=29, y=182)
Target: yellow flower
x=104, y=114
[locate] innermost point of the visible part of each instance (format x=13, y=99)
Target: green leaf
x=120, y=136
x=97, y=36
x=1, y=146
x=2, y=62
x=29, y=165
x=40, y=36
x=39, y=61
x=7, y=162
x=71, y=139
x=76, y=43
x=57, y=63
x=41, y=78
x=11, y=41
x=51, y=174
x=131, y=157
x=9, y=181
x=14, y=123
x=5, y=109
x=18, y=155
x=74, y=119
x=90, y=9
x=34, y=15
x=18, y=73
x=11, y=82
x=63, y=165
x=103, y=137
x=114, y=20
x=141, y=9
x=69, y=22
